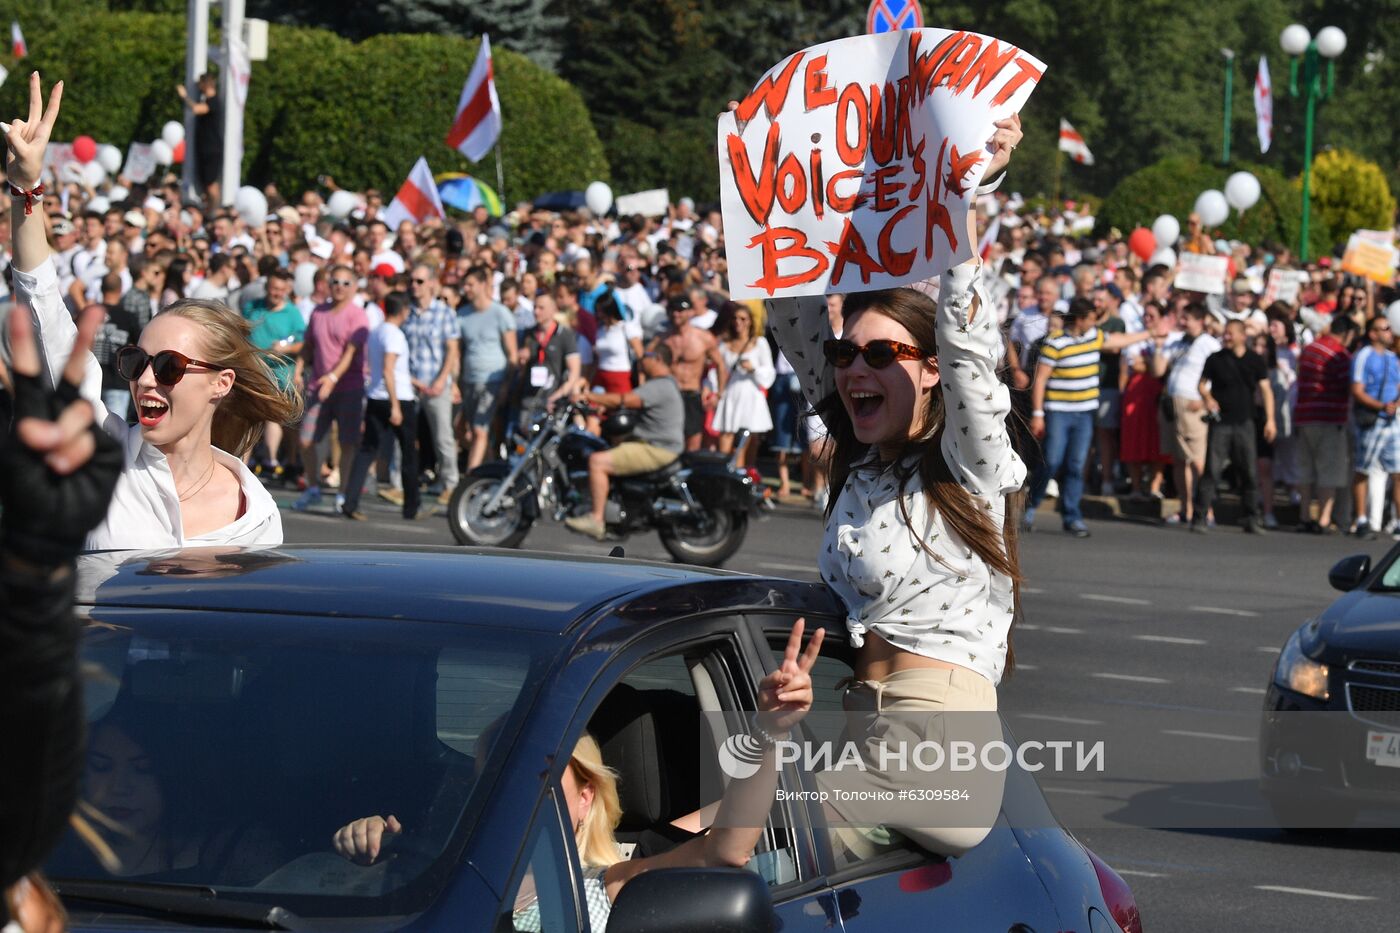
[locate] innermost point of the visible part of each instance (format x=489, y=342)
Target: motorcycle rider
x=658, y=439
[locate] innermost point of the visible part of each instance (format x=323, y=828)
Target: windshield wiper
x=180, y=901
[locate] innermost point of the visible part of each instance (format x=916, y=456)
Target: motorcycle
x=700, y=503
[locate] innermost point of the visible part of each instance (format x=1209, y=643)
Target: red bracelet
x=36, y=192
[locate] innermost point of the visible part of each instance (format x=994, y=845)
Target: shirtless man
x=690, y=348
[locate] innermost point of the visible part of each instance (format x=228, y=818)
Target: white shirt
x=145, y=509
x=389, y=338
x=917, y=584
x=1188, y=360
x=610, y=350
x=208, y=291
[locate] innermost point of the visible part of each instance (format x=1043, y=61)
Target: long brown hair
x=255, y=398
x=997, y=547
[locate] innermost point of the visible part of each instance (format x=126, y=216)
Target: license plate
x=1383, y=748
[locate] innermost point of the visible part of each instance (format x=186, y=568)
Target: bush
x=1172, y=185
x=1350, y=193
x=362, y=113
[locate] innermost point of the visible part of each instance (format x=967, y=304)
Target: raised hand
x=26, y=140
x=57, y=469
x=785, y=695
x=1006, y=138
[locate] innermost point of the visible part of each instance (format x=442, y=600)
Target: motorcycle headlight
x=1298, y=672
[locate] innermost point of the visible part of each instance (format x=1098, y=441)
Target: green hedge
x=1172, y=185
x=360, y=112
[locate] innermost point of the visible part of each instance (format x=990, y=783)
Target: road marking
x=1125, y=600
x=1171, y=639
x=1335, y=895
x=787, y=568
x=1027, y=667
x=1028, y=627
x=1069, y=719
x=1141, y=874
x=1268, y=649
x=1132, y=678
x=1218, y=611
x=1253, y=690
x=1212, y=803
x=1053, y=629
x=1032, y=590
x=1209, y=735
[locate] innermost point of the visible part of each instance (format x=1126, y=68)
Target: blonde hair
x=255, y=398
x=597, y=846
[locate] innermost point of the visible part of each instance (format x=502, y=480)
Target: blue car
x=245, y=705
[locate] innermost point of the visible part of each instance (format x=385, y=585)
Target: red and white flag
x=17, y=40
x=1264, y=105
x=989, y=237
x=477, y=125
x=417, y=200
x=1073, y=143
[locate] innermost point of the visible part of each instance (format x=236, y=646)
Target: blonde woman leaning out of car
x=202, y=390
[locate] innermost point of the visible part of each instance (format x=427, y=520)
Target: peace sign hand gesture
x=26, y=140
x=785, y=695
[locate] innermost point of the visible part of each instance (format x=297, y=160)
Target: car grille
x=1378, y=705
x=1385, y=668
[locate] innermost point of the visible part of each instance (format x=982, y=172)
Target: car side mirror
x=693, y=900
x=1347, y=574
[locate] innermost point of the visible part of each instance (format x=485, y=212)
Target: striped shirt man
x=1324, y=382
x=1074, y=373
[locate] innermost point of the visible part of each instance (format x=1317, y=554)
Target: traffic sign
x=893, y=15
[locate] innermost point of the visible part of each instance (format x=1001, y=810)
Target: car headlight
x=1298, y=672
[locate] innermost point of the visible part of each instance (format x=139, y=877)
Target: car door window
x=544, y=898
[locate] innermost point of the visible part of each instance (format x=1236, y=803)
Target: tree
x=1350, y=194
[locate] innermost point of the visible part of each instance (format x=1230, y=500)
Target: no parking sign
x=893, y=15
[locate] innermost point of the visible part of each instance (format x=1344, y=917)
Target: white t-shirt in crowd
x=1184, y=380
x=610, y=349
x=389, y=338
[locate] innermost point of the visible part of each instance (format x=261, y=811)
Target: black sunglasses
x=343, y=283
x=877, y=353
x=168, y=365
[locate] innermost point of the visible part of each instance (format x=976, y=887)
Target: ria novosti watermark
x=741, y=756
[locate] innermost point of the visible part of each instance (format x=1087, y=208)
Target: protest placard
x=57, y=159
x=140, y=163
x=1283, y=285
x=1198, y=272
x=653, y=203
x=1370, y=259
x=852, y=165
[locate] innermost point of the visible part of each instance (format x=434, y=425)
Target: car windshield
x=225, y=751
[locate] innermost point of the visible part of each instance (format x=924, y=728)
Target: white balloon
x=110, y=157
x=342, y=204
x=304, y=279
x=172, y=133
x=598, y=197
x=1165, y=231
x=94, y=174
x=1242, y=191
x=118, y=193
x=99, y=204
x=251, y=205
x=1166, y=256
x=1331, y=42
x=163, y=152
x=1212, y=208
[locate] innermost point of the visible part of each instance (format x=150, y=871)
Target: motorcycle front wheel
x=708, y=546
x=506, y=527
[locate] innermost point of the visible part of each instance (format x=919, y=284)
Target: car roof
x=539, y=591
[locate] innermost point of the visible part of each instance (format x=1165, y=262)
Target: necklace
x=207, y=477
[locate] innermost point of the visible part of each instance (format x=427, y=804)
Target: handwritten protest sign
x=140, y=163
x=653, y=203
x=1283, y=285
x=59, y=162
x=1367, y=258
x=851, y=166
x=1197, y=272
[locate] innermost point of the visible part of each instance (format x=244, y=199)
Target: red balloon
x=84, y=149
x=179, y=152
x=1142, y=243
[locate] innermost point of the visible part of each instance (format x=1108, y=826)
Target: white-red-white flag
x=1264, y=105
x=417, y=200
x=1072, y=143
x=993, y=231
x=17, y=45
x=477, y=125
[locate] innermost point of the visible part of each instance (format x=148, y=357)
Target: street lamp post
x=1329, y=43
x=1229, y=57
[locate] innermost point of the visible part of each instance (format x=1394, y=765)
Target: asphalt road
x=1160, y=643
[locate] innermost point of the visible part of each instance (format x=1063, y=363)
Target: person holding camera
x=1229, y=381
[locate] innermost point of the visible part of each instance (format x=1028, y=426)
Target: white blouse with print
x=948, y=604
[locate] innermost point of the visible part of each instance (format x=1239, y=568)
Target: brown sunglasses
x=168, y=365
x=877, y=353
